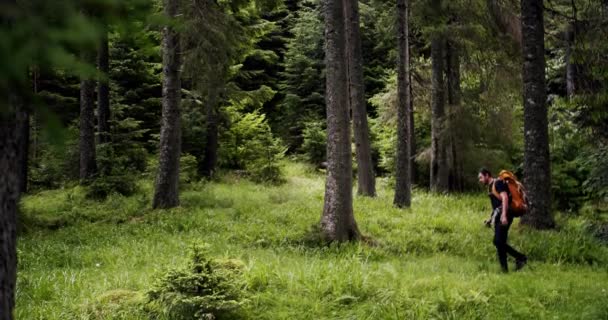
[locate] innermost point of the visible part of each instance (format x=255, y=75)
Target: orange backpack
x=519, y=201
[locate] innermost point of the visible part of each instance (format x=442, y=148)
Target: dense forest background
x=253, y=86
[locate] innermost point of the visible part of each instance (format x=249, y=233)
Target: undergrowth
x=84, y=259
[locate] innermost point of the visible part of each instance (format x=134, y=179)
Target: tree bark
x=166, y=193
x=9, y=198
x=23, y=130
x=88, y=166
x=537, y=172
x=439, y=165
x=34, y=123
x=403, y=185
x=338, y=221
x=103, y=91
x=572, y=68
x=10, y=105
x=365, y=171
x=412, y=133
x=456, y=176
x=209, y=161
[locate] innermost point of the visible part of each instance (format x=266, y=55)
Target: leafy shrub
x=103, y=186
x=56, y=161
x=596, y=183
x=187, y=168
x=315, y=142
x=126, y=138
x=194, y=124
x=249, y=145
x=568, y=158
x=266, y=167
x=205, y=289
x=112, y=176
x=385, y=143
x=119, y=162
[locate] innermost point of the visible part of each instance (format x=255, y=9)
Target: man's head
x=485, y=176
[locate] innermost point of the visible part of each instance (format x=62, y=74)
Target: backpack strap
x=494, y=192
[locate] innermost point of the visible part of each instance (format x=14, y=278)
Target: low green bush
x=204, y=289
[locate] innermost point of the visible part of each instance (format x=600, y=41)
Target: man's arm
x=505, y=207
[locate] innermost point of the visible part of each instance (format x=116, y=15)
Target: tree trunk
x=572, y=68
x=209, y=162
x=338, y=221
x=9, y=185
x=537, y=172
x=366, y=180
x=439, y=165
x=88, y=167
x=9, y=198
x=23, y=130
x=456, y=176
x=166, y=193
x=103, y=91
x=412, y=133
x=34, y=123
x=403, y=185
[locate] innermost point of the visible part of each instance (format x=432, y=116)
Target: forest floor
x=84, y=259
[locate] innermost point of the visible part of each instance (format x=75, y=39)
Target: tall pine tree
x=403, y=195
x=338, y=221
x=537, y=166
x=166, y=192
x=365, y=171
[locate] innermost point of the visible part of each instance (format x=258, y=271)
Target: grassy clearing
x=80, y=259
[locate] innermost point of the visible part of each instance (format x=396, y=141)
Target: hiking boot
x=520, y=263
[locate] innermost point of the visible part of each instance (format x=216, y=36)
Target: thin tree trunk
x=412, y=133
x=103, y=90
x=23, y=130
x=209, y=161
x=439, y=165
x=403, y=185
x=537, y=172
x=338, y=221
x=453, y=76
x=365, y=171
x=34, y=124
x=88, y=167
x=9, y=198
x=572, y=68
x=166, y=193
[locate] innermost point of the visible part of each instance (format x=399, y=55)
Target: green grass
x=81, y=259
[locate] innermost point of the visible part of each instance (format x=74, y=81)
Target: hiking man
x=501, y=219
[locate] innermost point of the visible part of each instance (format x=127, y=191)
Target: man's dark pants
x=501, y=233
